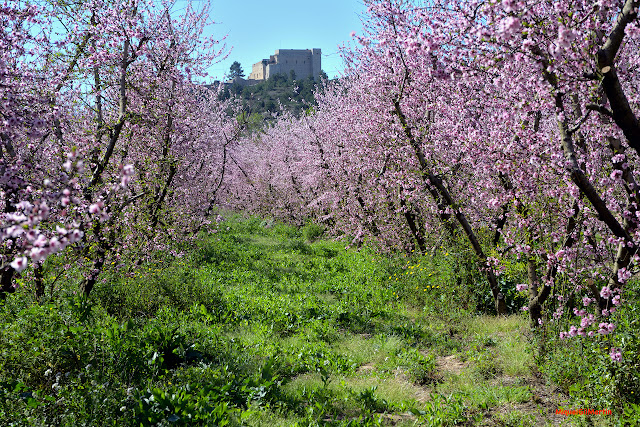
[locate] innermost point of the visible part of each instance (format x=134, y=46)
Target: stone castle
x=303, y=63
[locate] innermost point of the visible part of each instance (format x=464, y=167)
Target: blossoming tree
x=106, y=134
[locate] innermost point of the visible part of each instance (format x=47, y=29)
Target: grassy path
x=260, y=327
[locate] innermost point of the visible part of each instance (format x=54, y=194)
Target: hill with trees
x=279, y=91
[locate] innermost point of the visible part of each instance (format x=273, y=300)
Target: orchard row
x=511, y=125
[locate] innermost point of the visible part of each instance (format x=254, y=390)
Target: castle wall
x=316, y=63
x=304, y=63
x=258, y=71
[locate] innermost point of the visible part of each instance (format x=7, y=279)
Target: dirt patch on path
x=369, y=367
x=540, y=409
x=450, y=364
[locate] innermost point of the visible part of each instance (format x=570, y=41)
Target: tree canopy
x=235, y=70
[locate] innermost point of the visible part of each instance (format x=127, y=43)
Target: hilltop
x=265, y=98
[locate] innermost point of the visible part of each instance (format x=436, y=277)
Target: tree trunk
x=413, y=221
x=6, y=282
x=39, y=281
x=444, y=200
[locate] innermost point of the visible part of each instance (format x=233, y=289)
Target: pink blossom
x=565, y=37
x=527, y=44
x=15, y=231
x=606, y=328
x=615, y=354
x=510, y=26
x=623, y=275
x=558, y=313
x=19, y=264
x=586, y=322
x=37, y=254
x=618, y=158
x=509, y=5
x=54, y=244
x=40, y=241
x=75, y=236
x=24, y=205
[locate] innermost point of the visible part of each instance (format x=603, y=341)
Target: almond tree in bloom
x=25, y=111
x=486, y=94
x=572, y=65
x=407, y=158
x=481, y=110
x=110, y=131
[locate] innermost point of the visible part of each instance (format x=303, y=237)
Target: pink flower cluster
x=615, y=354
x=136, y=147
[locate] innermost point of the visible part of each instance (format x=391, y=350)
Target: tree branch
x=621, y=110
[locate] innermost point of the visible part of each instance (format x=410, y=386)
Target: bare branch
x=600, y=109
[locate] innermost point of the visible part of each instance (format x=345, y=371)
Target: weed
x=445, y=411
x=262, y=323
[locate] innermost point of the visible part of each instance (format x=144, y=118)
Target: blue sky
x=255, y=29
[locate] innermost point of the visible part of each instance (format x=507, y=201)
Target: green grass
x=264, y=324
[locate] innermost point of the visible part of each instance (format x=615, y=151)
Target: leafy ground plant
x=247, y=329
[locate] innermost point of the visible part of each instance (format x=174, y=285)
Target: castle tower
x=316, y=64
